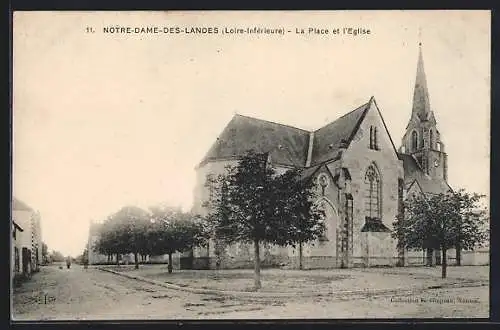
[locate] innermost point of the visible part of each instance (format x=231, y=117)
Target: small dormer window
x=373, y=138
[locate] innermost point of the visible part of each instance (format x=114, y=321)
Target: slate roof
x=286, y=145
x=413, y=172
x=328, y=139
x=19, y=205
x=308, y=172
x=374, y=226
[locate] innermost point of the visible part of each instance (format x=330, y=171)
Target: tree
x=254, y=204
x=108, y=241
x=57, y=256
x=304, y=220
x=85, y=256
x=173, y=231
x=130, y=225
x=124, y=232
x=441, y=221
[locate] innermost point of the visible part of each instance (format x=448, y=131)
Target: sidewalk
x=277, y=283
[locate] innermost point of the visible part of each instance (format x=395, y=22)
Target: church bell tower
x=422, y=139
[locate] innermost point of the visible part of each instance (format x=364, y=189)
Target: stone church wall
x=357, y=158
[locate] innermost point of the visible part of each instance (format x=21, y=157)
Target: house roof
x=330, y=138
x=286, y=145
x=19, y=205
x=17, y=226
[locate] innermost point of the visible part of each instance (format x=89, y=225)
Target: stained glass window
x=372, y=195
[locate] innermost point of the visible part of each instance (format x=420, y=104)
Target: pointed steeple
x=421, y=104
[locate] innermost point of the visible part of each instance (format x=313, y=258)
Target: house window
x=414, y=140
x=372, y=194
x=16, y=260
x=431, y=139
x=373, y=138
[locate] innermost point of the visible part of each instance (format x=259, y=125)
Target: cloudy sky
x=105, y=120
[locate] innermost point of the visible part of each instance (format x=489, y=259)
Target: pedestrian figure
x=85, y=263
x=68, y=262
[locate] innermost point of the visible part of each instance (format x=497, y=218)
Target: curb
x=249, y=294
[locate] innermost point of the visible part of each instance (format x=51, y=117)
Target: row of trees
x=160, y=231
x=442, y=222
x=250, y=204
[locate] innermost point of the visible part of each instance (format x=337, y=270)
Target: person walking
x=68, y=262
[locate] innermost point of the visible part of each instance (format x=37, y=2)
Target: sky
x=105, y=120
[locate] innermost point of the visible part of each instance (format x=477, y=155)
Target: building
x=361, y=180
x=94, y=256
x=16, y=248
x=27, y=239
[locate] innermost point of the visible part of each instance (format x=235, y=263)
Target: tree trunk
x=257, y=284
x=458, y=254
x=117, y=260
x=443, y=263
x=136, y=259
x=438, y=257
x=300, y=255
x=170, y=262
x=431, y=260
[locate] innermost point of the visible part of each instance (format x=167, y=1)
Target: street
x=91, y=294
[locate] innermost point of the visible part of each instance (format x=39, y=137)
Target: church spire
x=421, y=104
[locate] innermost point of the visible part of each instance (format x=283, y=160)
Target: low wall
x=471, y=258
x=377, y=259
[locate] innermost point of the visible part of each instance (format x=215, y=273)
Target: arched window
x=414, y=140
x=372, y=194
x=431, y=139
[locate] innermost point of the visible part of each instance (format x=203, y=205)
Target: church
x=361, y=181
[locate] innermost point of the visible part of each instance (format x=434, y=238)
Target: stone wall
x=357, y=158
x=201, y=191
